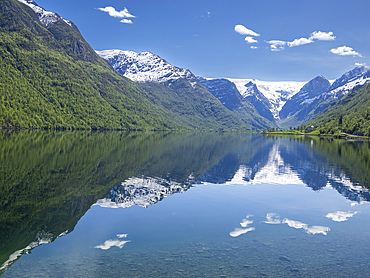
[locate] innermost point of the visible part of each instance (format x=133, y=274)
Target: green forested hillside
x=351, y=114
x=193, y=106
x=52, y=78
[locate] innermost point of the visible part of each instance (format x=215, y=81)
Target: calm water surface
x=111, y=204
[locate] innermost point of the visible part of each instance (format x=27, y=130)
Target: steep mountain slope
x=351, y=114
x=176, y=89
x=341, y=86
x=230, y=97
x=309, y=92
x=294, y=103
x=51, y=77
x=260, y=102
x=319, y=98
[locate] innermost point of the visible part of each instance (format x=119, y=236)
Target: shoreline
x=345, y=137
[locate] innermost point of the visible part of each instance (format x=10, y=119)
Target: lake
x=159, y=204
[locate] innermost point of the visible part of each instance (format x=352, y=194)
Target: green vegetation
x=350, y=115
x=51, y=78
x=250, y=116
x=192, y=106
x=47, y=83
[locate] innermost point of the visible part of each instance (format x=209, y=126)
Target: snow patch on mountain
x=145, y=66
x=349, y=80
x=45, y=17
x=277, y=93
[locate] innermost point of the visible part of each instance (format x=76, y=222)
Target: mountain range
x=54, y=79
x=294, y=103
x=162, y=79
x=281, y=104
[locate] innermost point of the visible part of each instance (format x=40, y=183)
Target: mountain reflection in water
x=50, y=179
x=281, y=161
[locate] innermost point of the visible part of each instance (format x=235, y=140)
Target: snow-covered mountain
x=277, y=93
x=267, y=97
x=161, y=78
x=46, y=18
x=227, y=93
x=286, y=102
x=262, y=103
x=145, y=66
x=318, y=94
x=341, y=86
x=306, y=96
x=299, y=100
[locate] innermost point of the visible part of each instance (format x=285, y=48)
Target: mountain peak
x=310, y=92
x=357, y=76
x=315, y=87
x=45, y=17
x=145, y=66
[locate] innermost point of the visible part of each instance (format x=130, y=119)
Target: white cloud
x=345, y=51
x=358, y=65
x=322, y=36
x=111, y=243
x=250, y=40
x=242, y=30
x=122, y=235
x=299, y=42
x=277, y=45
x=254, y=47
x=127, y=21
x=114, y=13
x=340, y=216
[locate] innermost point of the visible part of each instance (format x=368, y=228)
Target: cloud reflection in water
x=245, y=222
x=340, y=216
x=113, y=243
x=274, y=218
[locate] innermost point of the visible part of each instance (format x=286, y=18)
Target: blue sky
x=270, y=40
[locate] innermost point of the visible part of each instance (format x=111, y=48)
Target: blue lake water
x=183, y=205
